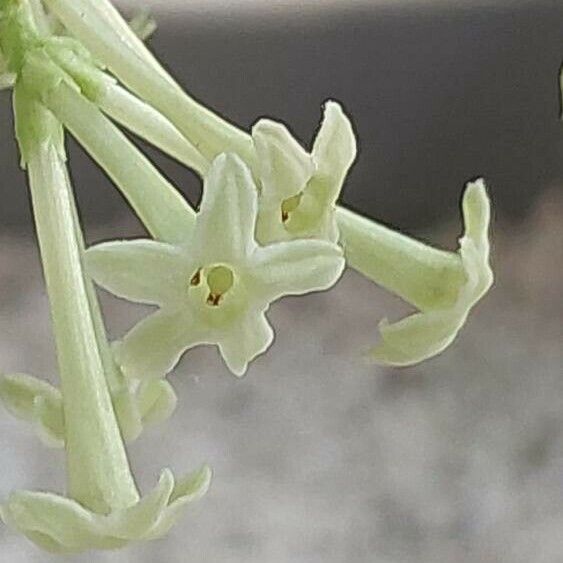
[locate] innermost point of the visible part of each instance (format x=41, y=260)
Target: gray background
x=319, y=456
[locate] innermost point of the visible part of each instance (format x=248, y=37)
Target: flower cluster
x=269, y=225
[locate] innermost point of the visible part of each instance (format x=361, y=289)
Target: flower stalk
x=99, y=476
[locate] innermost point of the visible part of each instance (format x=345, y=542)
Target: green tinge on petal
x=426, y=334
x=35, y=401
x=136, y=521
x=141, y=270
x=334, y=150
x=252, y=337
x=154, y=346
x=226, y=221
x=157, y=401
x=62, y=525
x=186, y=491
x=141, y=404
x=416, y=338
x=297, y=267
x=62, y=520
x=49, y=422
x=283, y=164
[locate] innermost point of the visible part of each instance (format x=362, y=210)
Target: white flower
x=215, y=287
x=299, y=190
x=429, y=332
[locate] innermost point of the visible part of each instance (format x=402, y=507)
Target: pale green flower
x=444, y=286
x=136, y=405
x=299, y=190
x=215, y=287
x=36, y=401
x=63, y=525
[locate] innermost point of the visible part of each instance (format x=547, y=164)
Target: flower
x=299, y=190
x=215, y=287
x=62, y=525
x=427, y=333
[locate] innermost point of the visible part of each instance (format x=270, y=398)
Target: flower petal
x=57, y=520
x=138, y=520
x=416, y=338
x=187, y=490
x=252, y=337
x=334, y=151
x=297, y=267
x=62, y=525
x=226, y=221
x=35, y=401
x=19, y=391
x=154, y=346
x=157, y=401
x=284, y=165
x=141, y=270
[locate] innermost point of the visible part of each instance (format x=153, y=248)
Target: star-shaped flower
x=299, y=190
x=216, y=287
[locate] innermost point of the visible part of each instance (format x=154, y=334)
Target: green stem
x=168, y=217
x=422, y=275
x=114, y=377
x=149, y=124
x=106, y=34
x=98, y=470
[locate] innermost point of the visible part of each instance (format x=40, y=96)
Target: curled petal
x=144, y=271
x=416, y=338
x=284, y=165
x=36, y=401
x=157, y=401
x=297, y=267
x=62, y=525
x=187, y=490
x=154, y=346
x=253, y=336
x=141, y=404
x=426, y=334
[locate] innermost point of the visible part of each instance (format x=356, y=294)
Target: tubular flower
x=444, y=286
x=216, y=287
x=299, y=190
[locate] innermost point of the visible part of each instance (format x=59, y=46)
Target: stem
x=149, y=124
x=422, y=275
x=161, y=208
x=114, y=377
x=98, y=470
x=106, y=34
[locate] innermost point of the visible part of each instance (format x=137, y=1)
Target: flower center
x=219, y=280
x=289, y=205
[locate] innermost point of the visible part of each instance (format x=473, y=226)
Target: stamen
x=196, y=278
x=289, y=205
x=214, y=299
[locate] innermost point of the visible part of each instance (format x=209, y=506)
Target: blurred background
x=318, y=456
